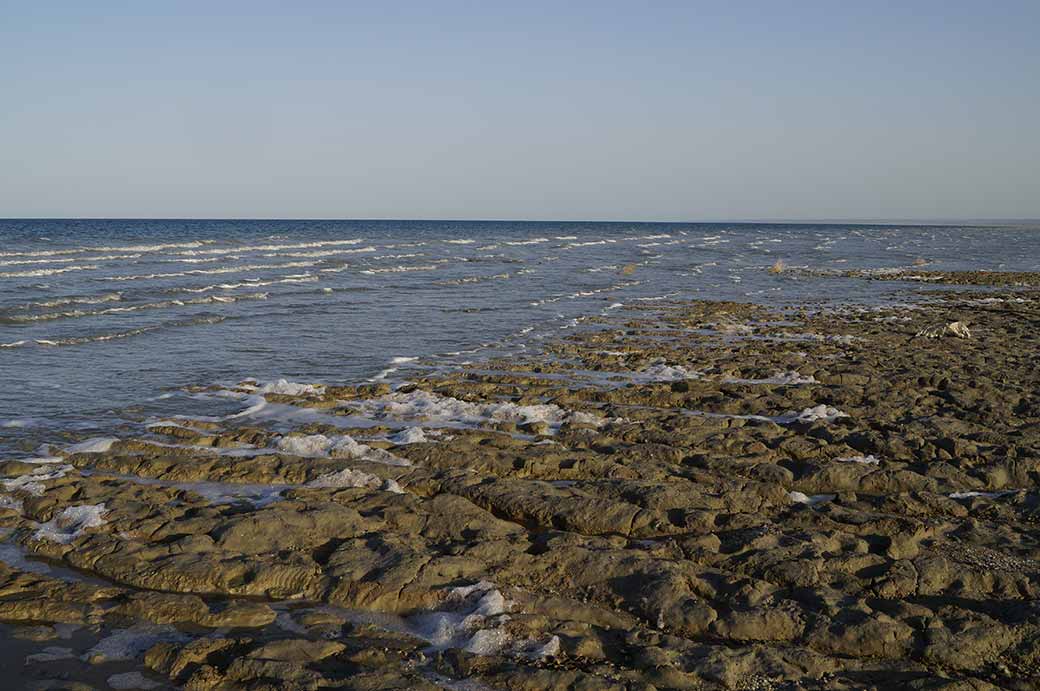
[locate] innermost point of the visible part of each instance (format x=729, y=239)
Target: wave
x=322, y=253
x=119, y=335
x=75, y=314
x=585, y=293
x=72, y=300
x=252, y=283
x=275, y=248
x=199, y=260
x=590, y=243
x=474, y=279
x=401, y=269
x=18, y=262
x=65, y=260
x=46, y=272
x=660, y=236
x=204, y=272
x=126, y=248
x=398, y=256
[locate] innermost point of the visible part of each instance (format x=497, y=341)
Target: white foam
x=206, y=272
x=800, y=498
x=422, y=405
x=355, y=478
x=660, y=236
x=665, y=373
x=258, y=408
x=71, y=523
x=820, y=412
x=987, y=495
x=81, y=340
x=283, y=386
x=324, y=253
x=164, y=304
x=336, y=446
x=487, y=641
x=590, y=243
x=22, y=262
x=550, y=648
x=96, y=445
x=520, y=243
x=46, y=272
x=472, y=618
x=400, y=269
x=409, y=435
x=32, y=483
x=276, y=248
x=251, y=283
x=865, y=460
x=131, y=248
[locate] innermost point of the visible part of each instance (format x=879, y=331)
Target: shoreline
x=696, y=495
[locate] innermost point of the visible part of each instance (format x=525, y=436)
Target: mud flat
x=702, y=495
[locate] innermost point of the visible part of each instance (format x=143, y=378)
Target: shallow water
x=99, y=318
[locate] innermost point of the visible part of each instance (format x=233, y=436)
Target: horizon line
x=924, y=221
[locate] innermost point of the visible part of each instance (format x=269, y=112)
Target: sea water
x=104, y=321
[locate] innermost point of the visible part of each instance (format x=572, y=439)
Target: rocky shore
x=683, y=496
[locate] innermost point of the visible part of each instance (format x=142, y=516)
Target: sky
x=680, y=111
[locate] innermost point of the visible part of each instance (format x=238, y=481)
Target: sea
x=104, y=323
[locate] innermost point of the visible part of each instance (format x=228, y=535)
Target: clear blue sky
x=605, y=110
